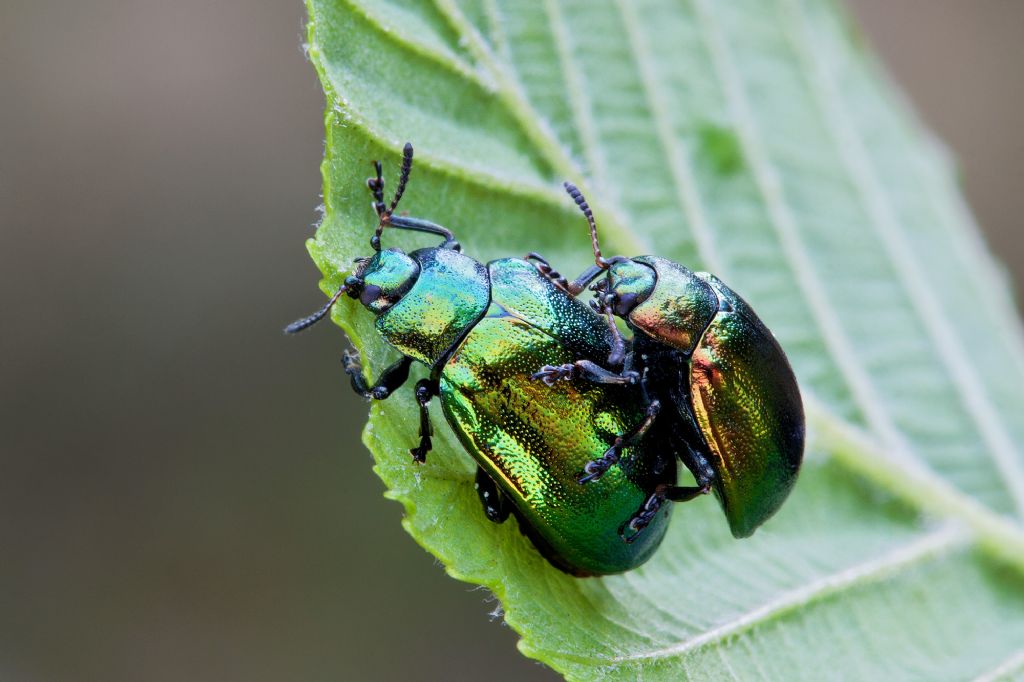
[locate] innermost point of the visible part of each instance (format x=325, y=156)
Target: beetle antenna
x=577, y=196
x=307, y=322
x=376, y=185
x=403, y=177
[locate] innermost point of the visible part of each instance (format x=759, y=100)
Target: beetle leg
x=496, y=506
x=584, y=369
x=590, y=371
x=701, y=469
x=595, y=469
x=632, y=529
x=390, y=379
x=425, y=390
x=387, y=213
x=686, y=493
x=618, y=355
x=695, y=460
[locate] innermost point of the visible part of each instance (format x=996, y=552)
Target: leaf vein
x=1013, y=664
x=399, y=34
x=931, y=546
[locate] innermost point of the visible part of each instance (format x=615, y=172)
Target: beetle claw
x=591, y=472
x=419, y=453
x=642, y=518
x=637, y=526
x=550, y=374
x=597, y=468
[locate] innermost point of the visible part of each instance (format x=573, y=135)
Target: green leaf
x=756, y=140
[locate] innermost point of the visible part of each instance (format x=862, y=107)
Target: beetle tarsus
x=585, y=369
x=425, y=391
x=634, y=527
x=545, y=269
x=595, y=469
x=552, y=374
x=376, y=185
x=419, y=453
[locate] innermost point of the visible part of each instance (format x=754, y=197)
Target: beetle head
x=381, y=281
x=628, y=285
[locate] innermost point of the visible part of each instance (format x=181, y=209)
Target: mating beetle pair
x=575, y=430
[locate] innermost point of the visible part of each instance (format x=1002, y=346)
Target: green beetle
x=482, y=330
x=699, y=346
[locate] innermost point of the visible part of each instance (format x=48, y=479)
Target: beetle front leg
x=584, y=369
x=390, y=379
x=545, y=269
x=425, y=391
x=496, y=505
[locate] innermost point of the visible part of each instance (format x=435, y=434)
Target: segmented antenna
x=307, y=322
x=403, y=178
x=577, y=196
x=376, y=185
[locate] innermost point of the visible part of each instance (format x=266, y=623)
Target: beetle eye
x=354, y=286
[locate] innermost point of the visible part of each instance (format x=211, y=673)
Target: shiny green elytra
x=483, y=331
x=698, y=346
x=742, y=391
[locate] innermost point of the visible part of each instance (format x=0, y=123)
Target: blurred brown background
x=183, y=492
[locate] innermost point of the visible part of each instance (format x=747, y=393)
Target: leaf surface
x=756, y=140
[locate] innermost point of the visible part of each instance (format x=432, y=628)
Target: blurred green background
x=184, y=494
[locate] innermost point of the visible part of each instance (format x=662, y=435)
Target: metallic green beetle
x=698, y=345
x=483, y=331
